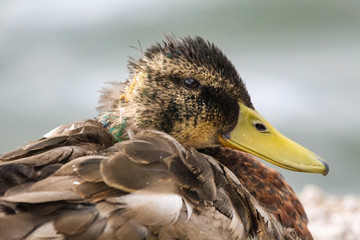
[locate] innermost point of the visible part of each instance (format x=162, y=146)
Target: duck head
x=189, y=89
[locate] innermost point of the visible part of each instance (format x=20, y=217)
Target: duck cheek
x=228, y=117
x=221, y=108
x=200, y=136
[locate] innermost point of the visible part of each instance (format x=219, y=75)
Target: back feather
x=75, y=183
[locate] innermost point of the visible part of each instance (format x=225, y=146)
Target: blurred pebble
x=331, y=217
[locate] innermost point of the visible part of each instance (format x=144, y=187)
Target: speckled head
x=187, y=88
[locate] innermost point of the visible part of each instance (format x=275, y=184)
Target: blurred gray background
x=299, y=59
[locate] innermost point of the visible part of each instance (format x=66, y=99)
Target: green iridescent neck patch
x=116, y=129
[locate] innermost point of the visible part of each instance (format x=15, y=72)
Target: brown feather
x=267, y=186
x=74, y=222
x=161, y=164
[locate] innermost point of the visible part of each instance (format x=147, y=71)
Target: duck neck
x=115, y=123
x=115, y=114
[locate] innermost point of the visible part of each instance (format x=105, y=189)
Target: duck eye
x=191, y=83
x=260, y=127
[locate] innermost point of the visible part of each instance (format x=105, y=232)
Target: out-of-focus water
x=300, y=61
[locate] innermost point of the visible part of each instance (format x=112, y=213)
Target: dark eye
x=191, y=83
x=260, y=127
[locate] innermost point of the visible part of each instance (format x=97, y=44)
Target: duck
x=171, y=155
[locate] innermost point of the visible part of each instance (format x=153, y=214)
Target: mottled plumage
x=151, y=166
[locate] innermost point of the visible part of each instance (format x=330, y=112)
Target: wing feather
x=77, y=184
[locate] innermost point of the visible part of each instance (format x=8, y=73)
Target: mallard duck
x=167, y=158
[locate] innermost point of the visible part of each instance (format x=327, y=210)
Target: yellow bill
x=253, y=134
